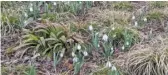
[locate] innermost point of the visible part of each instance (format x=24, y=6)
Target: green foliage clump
x=155, y=16
x=123, y=6
x=122, y=37
x=45, y=40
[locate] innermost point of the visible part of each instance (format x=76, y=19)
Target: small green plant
x=123, y=6
x=78, y=58
x=122, y=38
x=57, y=58
x=95, y=37
x=31, y=71
x=45, y=40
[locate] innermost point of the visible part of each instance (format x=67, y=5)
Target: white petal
x=123, y=47
x=133, y=17
x=108, y=64
x=112, y=48
x=105, y=37
x=113, y=68
x=85, y=53
x=73, y=54
x=136, y=23
x=75, y=59
x=90, y=28
x=113, y=28
x=61, y=54
x=25, y=14
x=98, y=45
x=55, y=3
x=127, y=43
x=78, y=47
x=145, y=19
x=31, y=9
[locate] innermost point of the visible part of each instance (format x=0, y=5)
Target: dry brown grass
x=146, y=59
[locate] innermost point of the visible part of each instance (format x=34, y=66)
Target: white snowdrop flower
x=79, y=47
x=97, y=33
x=80, y=2
x=136, y=23
x=145, y=19
x=25, y=14
x=98, y=45
x=61, y=54
x=90, y=28
x=114, y=35
x=123, y=47
x=112, y=48
x=31, y=9
x=85, y=53
x=108, y=64
x=127, y=43
x=75, y=59
x=113, y=28
x=133, y=17
x=73, y=54
x=113, y=68
x=55, y=3
x=105, y=37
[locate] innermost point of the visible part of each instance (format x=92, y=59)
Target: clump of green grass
x=122, y=37
x=159, y=4
x=155, y=15
x=123, y=6
x=15, y=69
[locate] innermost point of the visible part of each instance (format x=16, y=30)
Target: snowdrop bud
x=123, y=47
x=61, y=54
x=78, y=47
x=98, y=45
x=145, y=19
x=127, y=43
x=136, y=23
x=112, y=48
x=105, y=37
x=25, y=14
x=75, y=59
x=133, y=17
x=55, y=3
x=73, y=54
x=31, y=9
x=113, y=68
x=108, y=64
x=85, y=53
x=90, y=28
x=113, y=28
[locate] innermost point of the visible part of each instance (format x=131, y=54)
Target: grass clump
x=123, y=6
x=155, y=16
x=123, y=38
x=159, y=4
x=149, y=60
